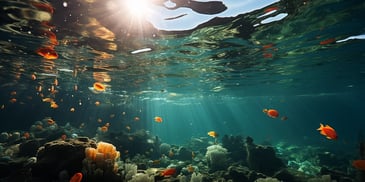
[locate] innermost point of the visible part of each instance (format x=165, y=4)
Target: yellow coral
x=104, y=155
x=90, y=153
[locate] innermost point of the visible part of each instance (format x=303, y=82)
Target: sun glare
x=137, y=8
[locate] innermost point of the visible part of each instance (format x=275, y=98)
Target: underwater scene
x=182, y=90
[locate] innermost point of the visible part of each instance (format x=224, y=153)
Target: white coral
x=196, y=177
x=216, y=156
x=141, y=177
x=130, y=170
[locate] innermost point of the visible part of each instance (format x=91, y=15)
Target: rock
x=235, y=146
x=184, y=154
x=29, y=148
x=238, y=173
x=284, y=175
x=60, y=155
x=262, y=158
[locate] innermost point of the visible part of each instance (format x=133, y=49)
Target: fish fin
x=328, y=137
x=329, y=127
x=323, y=133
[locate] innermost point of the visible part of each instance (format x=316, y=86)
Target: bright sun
x=137, y=8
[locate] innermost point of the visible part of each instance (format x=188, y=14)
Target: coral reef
x=59, y=155
x=216, y=157
x=262, y=158
x=235, y=146
x=146, y=159
x=165, y=148
x=102, y=160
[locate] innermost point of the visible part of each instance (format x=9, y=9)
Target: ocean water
x=201, y=66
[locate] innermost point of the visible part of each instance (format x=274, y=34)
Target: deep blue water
x=218, y=73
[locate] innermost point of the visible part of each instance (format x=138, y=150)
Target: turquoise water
x=217, y=77
x=200, y=69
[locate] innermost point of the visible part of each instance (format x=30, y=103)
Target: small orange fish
x=213, y=134
x=26, y=135
x=39, y=89
x=327, y=131
x=54, y=105
x=47, y=52
x=55, y=82
x=359, y=164
x=168, y=172
x=33, y=77
x=47, y=99
x=158, y=119
x=99, y=87
x=63, y=137
x=272, y=113
x=77, y=177
x=50, y=121
x=103, y=129
x=43, y=6
x=97, y=103
x=327, y=41
x=190, y=168
x=270, y=9
x=12, y=100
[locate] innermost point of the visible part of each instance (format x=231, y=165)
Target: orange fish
x=270, y=9
x=55, y=82
x=99, y=87
x=63, y=137
x=47, y=99
x=158, y=119
x=190, y=168
x=12, y=100
x=213, y=134
x=33, y=77
x=327, y=41
x=47, y=52
x=168, y=172
x=272, y=113
x=26, y=135
x=359, y=164
x=54, y=105
x=43, y=6
x=327, y=131
x=77, y=177
x=50, y=121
